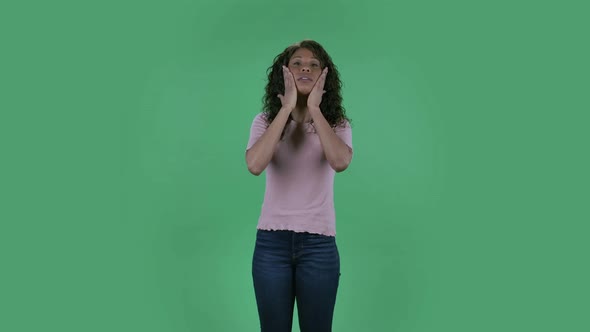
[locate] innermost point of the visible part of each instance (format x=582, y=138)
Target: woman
x=301, y=139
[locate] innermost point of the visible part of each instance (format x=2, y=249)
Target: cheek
x=317, y=73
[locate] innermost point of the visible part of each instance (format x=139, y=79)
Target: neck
x=300, y=113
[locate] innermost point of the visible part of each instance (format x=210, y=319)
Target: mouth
x=305, y=79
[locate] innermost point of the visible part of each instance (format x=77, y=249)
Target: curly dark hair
x=331, y=105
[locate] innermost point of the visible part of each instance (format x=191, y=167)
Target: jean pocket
x=319, y=238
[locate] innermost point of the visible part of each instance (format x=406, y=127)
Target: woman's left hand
x=315, y=96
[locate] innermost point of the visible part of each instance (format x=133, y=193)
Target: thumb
x=280, y=97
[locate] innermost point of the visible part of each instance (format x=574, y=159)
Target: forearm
x=260, y=154
x=336, y=151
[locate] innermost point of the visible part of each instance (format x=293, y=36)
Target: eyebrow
x=299, y=56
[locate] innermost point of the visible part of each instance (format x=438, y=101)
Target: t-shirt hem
x=297, y=228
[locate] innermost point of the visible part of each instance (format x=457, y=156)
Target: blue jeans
x=289, y=266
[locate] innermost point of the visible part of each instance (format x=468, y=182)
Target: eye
x=315, y=65
x=296, y=63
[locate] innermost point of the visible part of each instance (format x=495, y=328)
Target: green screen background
x=127, y=206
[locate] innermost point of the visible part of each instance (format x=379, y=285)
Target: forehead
x=303, y=53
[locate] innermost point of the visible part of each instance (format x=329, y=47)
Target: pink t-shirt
x=299, y=194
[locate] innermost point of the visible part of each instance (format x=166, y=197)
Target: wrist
x=286, y=109
x=314, y=109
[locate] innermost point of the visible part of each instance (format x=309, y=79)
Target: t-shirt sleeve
x=345, y=133
x=258, y=128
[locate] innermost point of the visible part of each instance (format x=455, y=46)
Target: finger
x=290, y=75
x=320, y=82
x=315, y=85
x=286, y=73
x=286, y=70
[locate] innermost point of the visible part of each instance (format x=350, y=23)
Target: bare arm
x=336, y=151
x=260, y=154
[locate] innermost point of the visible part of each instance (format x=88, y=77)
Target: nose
x=306, y=69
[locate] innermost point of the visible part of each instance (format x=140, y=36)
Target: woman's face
x=306, y=69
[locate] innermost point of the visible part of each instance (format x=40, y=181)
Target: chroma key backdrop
x=126, y=204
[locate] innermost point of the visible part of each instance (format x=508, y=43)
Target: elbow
x=254, y=170
x=253, y=167
x=340, y=166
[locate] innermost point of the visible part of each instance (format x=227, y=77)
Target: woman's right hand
x=289, y=100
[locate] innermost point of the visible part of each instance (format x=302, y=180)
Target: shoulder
x=343, y=125
x=261, y=117
x=259, y=124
